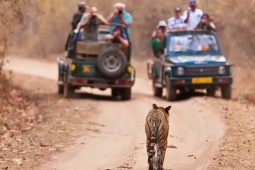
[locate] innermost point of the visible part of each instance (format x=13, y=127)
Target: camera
x=120, y=12
x=93, y=17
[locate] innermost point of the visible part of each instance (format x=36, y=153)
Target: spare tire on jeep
x=112, y=62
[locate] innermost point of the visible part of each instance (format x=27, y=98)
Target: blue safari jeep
x=191, y=60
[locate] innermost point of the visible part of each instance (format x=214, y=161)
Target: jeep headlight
x=222, y=70
x=180, y=71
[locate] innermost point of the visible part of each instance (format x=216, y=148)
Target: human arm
x=126, y=19
x=82, y=21
x=123, y=41
x=110, y=18
x=109, y=37
x=86, y=21
x=154, y=34
x=112, y=15
x=101, y=19
x=185, y=16
x=212, y=26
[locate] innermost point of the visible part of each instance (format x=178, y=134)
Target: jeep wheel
x=68, y=91
x=125, y=93
x=60, y=88
x=157, y=91
x=115, y=92
x=211, y=91
x=170, y=90
x=112, y=62
x=226, y=91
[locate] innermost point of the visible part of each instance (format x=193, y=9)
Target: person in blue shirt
x=120, y=16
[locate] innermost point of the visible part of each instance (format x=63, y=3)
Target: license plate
x=204, y=80
x=101, y=85
x=86, y=69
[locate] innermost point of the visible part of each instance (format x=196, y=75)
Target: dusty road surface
x=116, y=138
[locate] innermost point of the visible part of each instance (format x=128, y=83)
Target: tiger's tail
x=152, y=146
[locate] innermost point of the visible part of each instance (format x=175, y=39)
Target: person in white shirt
x=192, y=16
x=176, y=21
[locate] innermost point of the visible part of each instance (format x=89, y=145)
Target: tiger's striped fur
x=157, y=129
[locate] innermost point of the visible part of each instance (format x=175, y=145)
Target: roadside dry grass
x=37, y=124
x=237, y=150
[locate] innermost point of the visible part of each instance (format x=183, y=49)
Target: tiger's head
x=164, y=110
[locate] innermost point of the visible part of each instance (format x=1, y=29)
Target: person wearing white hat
x=161, y=24
x=120, y=16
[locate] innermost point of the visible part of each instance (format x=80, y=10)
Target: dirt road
x=116, y=139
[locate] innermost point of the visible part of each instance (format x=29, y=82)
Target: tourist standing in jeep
x=82, y=7
x=192, y=16
x=120, y=16
x=176, y=21
x=90, y=22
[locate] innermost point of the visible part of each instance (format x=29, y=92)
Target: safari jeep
x=97, y=64
x=191, y=60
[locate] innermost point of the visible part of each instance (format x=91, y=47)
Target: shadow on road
x=135, y=96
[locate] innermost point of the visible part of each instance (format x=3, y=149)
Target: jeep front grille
x=202, y=71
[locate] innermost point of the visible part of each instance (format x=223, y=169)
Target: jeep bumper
x=100, y=83
x=201, y=82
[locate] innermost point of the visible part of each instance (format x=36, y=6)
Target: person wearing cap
x=82, y=7
x=120, y=16
x=193, y=15
x=176, y=21
x=162, y=25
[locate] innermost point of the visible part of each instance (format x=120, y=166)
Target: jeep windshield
x=192, y=43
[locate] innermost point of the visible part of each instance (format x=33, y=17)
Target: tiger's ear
x=167, y=109
x=154, y=106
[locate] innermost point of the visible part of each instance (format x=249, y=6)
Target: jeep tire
x=157, y=91
x=115, y=92
x=211, y=91
x=112, y=62
x=125, y=93
x=170, y=90
x=226, y=91
x=60, y=88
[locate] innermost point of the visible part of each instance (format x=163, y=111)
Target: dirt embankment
x=237, y=149
x=36, y=123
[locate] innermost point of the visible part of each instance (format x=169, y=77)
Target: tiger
x=157, y=129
